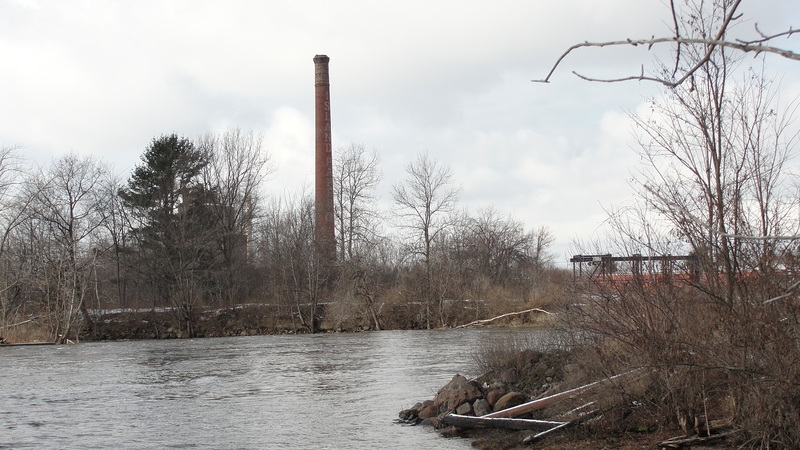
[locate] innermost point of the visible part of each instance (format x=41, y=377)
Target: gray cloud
x=448, y=77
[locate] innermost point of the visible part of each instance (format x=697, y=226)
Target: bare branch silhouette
x=756, y=46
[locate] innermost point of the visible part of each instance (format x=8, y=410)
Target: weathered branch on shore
x=542, y=427
x=506, y=423
x=542, y=403
x=501, y=316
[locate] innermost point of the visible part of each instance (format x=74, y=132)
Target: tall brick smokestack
x=323, y=180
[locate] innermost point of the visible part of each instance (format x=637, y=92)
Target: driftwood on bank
x=542, y=427
x=506, y=423
x=542, y=403
x=487, y=321
x=506, y=418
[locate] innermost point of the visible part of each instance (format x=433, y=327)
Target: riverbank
x=241, y=320
x=555, y=390
x=245, y=320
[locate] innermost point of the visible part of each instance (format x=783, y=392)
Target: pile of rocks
x=464, y=397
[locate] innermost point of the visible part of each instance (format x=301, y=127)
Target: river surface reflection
x=305, y=391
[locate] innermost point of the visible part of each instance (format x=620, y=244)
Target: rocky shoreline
x=463, y=397
x=532, y=375
x=529, y=375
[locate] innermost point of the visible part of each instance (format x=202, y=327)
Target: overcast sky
x=451, y=78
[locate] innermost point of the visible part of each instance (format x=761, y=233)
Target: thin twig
x=765, y=38
x=677, y=35
x=718, y=41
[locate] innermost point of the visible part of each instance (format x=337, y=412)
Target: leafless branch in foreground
x=756, y=46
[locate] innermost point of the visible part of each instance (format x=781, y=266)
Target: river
x=305, y=391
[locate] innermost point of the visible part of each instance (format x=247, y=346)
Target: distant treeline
x=193, y=227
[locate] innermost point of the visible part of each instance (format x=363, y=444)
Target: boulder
x=413, y=414
x=458, y=382
x=493, y=396
x=428, y=411
x=408, y=415
x=481, y=407
x=510, y=400
x=464, y=409
x=457, y=392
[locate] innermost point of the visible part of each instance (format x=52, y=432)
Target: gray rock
x=458, y=391
x=464, y=409
x=458, y=382
x=481, y=407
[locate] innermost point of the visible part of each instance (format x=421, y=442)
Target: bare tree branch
x=744, y=47
x=677, y=34
x=765, y=37
x=756, y=46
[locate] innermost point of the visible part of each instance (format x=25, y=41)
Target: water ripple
x=321, y=391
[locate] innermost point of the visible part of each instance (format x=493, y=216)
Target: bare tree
x=715, y=154
x=425, y=200
x=494, y=259
x=14, y=207
x=296, y=273
x=503, y=249
x=723, y=14
x=237, y=168
x=356, y=175
x=118, y=225
x=715, y=188
x=69, y=206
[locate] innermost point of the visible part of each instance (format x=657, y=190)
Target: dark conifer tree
x=168, y=202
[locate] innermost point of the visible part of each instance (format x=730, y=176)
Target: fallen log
x=517, y=313
x=512, y=424
x=542, y=403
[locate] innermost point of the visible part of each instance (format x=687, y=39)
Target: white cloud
x=288, y=138
x=450, y=77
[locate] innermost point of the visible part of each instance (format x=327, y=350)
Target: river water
x=305, y=391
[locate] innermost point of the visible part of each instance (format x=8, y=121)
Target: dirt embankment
x=250, y=320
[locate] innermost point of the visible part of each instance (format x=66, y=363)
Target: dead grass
x=711, y=363
x=31, y=332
